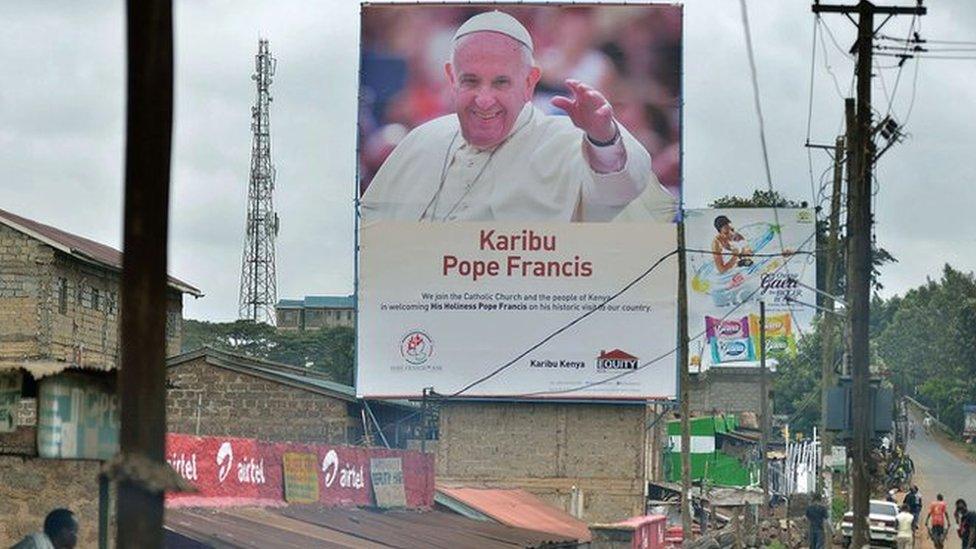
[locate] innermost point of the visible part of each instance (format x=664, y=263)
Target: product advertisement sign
x=518, y=165
x=738, y=257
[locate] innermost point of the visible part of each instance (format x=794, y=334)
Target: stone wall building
x=216, y=393
x=59, y=316
x=315, y=312
x=591, y=460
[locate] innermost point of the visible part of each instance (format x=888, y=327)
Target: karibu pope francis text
x=515, y=265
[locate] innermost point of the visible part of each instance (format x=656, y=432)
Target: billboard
x=508, y=193
x=738, y=257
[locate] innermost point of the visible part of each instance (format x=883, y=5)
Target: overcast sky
x=62, y=122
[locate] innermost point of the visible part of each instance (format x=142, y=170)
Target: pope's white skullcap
x=495, y=21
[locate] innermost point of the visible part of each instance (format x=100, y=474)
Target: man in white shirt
x=906, y=531
x=500, y=158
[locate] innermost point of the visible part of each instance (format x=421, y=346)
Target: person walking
x=938, y=516
x=914, y=501
x=967, y=524
x=906, y=530
x=816, y=514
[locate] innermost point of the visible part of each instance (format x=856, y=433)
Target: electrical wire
x=830, y=71
x=565, y=327
x=762, y=125
x=670, y=352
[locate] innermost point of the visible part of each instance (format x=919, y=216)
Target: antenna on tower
x=258, y=281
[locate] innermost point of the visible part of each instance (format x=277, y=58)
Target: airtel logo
x=349, y=476
x=249, y=470
x=225, y=461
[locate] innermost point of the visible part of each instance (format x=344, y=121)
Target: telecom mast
x=258, y=282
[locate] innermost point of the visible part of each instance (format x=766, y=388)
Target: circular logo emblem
x=735, y=348
x=416, y=347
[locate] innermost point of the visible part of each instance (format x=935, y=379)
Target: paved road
x=937, y=470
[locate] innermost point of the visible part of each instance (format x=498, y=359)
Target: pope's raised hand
x=589, y=111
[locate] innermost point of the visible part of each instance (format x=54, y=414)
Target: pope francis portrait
x=499, y=158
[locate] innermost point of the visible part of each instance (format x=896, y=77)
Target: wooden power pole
x=859, y=220
x=827, y=322
x=683, y=377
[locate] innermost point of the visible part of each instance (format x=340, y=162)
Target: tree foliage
x=927, y=342
x=328, y=350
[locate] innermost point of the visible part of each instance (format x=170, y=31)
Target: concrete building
x=59, y=320
x=316, y=311
x=217, y=393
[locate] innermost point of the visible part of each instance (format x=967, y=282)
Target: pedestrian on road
x=906, y=531
x=817, y=514
x=939, y=517
x=914, y=501
x=967, y=524
x=60, y=532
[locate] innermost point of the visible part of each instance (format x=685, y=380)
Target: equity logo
x=416, y=347
x=616, y=360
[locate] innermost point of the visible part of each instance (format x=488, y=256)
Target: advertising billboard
x=738, y=257
x=518, y=167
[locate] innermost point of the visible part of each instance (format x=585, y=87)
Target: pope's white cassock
x=545, y=170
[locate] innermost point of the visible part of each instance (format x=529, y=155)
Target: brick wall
x=547, y=449
x=232, y=403
x=22, y=262
x=726, y=390
x=55, y=307
x=30, y=488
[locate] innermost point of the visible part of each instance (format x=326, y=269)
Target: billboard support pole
x=684, y=388
x=764, y=406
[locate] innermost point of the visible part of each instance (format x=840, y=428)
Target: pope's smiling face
x=492, y=78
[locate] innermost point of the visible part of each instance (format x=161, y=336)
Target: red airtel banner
x=242, y=471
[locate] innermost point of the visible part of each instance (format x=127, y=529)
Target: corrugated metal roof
x=276, y=371
x=316, y=526
x=520, y=509
x=78, y=246
x=319, y=302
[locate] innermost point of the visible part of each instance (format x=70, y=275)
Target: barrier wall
x=228, y=471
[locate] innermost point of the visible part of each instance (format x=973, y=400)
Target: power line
x=565, y=327
x=670, y=352
x=762, y=125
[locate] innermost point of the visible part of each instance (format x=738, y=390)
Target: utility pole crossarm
x=884, y=10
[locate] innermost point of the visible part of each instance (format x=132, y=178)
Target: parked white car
x=884, y=525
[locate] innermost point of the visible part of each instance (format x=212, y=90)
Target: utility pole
x=827, y=321
x=684, y=389
x=142, y=376
x=764, y=407
x=859, y=220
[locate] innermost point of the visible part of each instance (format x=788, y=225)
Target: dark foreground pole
x=149, y=120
